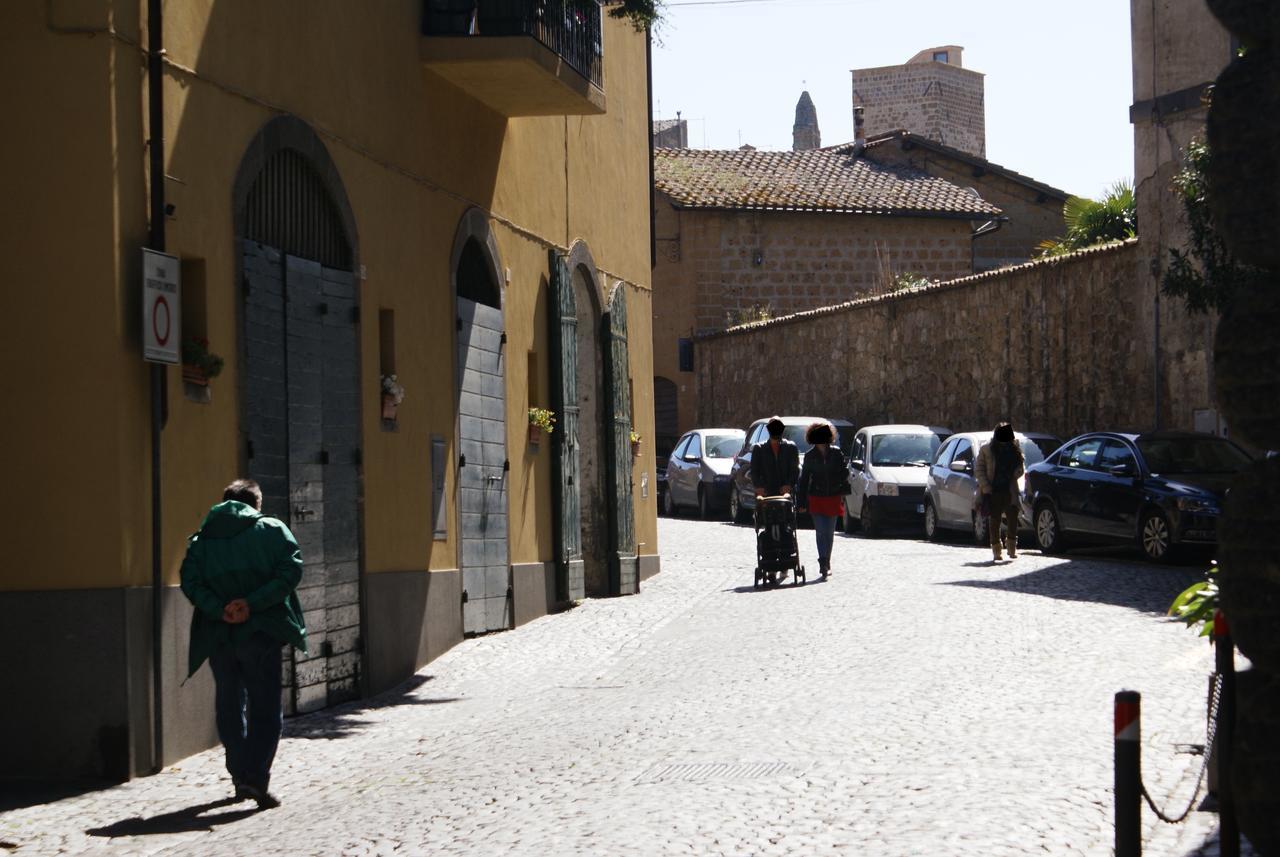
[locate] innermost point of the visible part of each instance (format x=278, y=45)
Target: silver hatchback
x=951, y=489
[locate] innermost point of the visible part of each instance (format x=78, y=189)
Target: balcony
x=520, y=57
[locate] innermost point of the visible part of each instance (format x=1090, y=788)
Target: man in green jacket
x=241, y=574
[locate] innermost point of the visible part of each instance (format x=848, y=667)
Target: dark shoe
x=264, y=798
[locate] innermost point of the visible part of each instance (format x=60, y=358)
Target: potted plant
x=635, y=443
x=199, y=364
x=392, y=396
x=541, y=421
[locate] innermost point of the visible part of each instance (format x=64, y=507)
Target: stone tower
x=805, y=134
x=932, y=95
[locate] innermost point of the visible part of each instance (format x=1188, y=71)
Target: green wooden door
x=565, y=464
x=623, y=576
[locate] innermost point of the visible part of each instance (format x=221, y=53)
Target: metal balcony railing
x=571, y=28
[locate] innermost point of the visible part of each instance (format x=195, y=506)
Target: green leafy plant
x=543, y=419
x=905, y=281
x=747, y=315
x=635, y=436
x=641, y=13
x=1091, y=222
x=1197, y=604
x=195, y=352
x=1205, y=275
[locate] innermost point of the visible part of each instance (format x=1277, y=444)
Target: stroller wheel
x=799, y=575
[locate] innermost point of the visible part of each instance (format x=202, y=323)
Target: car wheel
x=981, y=529
x=870, y=527
x=704, y=504
x=668, y=504
x=1155, y=536
x=932, y=531
x=735, y=506
x=1049, y=530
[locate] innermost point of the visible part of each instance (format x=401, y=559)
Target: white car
x=951, y=489
x=887, y=469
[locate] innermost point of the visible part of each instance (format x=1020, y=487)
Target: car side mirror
x=857, y=464
x=1122, y=470
x=960, y=466
x=692, y=458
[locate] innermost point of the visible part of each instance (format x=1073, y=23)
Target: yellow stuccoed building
x=456, y=197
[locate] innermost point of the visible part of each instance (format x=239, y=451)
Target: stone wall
x=1054, y=345
x=939, y=101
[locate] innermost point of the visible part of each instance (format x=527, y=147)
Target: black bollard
x=1224, y=735
x=1128, y=774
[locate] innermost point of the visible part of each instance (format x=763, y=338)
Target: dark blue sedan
x=1157, y=490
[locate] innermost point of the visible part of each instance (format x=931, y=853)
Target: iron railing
x=571, y=28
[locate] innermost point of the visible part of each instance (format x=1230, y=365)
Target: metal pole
x=155, y=119
x=1128, y=785
x=1224, y=735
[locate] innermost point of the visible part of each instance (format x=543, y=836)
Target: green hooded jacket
x=240, y=553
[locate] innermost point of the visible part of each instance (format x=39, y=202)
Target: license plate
x=919, y=508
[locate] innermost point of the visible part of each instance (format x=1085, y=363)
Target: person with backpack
x=824, y=480
x=1000, y=465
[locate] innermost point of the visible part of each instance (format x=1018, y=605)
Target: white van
x=888, y=466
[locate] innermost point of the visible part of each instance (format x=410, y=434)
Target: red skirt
x=833, y=505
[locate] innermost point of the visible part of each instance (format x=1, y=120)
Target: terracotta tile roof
x=813, y=180
x=907, y=137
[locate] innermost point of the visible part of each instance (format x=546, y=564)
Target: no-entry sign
x=161, y=308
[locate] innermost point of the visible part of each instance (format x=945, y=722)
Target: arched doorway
x=595, y=551
x=300, y=377
x=482, y=429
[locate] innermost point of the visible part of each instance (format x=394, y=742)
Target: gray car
x=951, y=489
x=698, y=471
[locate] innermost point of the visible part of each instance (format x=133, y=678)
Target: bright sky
x=1058, y=74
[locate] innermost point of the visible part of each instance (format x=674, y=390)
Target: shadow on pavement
x=1140, y=586
x=21, y=794
x=343, y=720
x=181, y=821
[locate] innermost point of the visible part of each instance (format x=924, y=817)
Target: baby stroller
x=776, y=547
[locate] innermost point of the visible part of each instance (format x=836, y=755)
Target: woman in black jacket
x=824, y=480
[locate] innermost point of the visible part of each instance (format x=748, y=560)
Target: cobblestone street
x=920, y=702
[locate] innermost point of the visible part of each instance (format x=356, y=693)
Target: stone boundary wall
x=1061, y=345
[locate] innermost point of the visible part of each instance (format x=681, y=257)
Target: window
x=944, y=454
x=903, y=450
x=685, y=348
x=1031, y=454
x=1117, y=453
x=679, y=451
x=940, y=56
x=723, y=445
x=695, y=446
x=1083, y=455
x=964, y=451
x=859, y=449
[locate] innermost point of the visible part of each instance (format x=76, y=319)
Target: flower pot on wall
x=635, y=449
x=389, y=407
x=194, y=375
x=535, y=435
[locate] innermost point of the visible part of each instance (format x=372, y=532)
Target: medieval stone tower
x=805, y=134
x=932, y=95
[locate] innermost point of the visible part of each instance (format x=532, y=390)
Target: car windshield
x=903, y=450
x=723, y=445
x=795, y=434
x=1170, y=455
x=1046, y=445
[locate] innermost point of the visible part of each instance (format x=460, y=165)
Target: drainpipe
x=155, y=100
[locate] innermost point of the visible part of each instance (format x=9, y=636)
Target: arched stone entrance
x=482, y=428
x=299, y=348
x=595, y=554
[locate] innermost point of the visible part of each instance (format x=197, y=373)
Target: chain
x=1214, y=702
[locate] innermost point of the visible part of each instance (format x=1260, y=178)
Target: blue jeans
x=824, y=528
x=247, y=706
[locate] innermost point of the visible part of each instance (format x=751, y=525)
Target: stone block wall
x=939, y=101
x=1061, y=345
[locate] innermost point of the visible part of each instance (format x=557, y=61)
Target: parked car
x=887, y=469
x=698, y=470
x=660, y=477
x=1048, y=443
x=951, y=488
x=1159, y=490
x=742, y=495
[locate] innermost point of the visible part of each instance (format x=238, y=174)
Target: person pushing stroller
x=775, y=464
